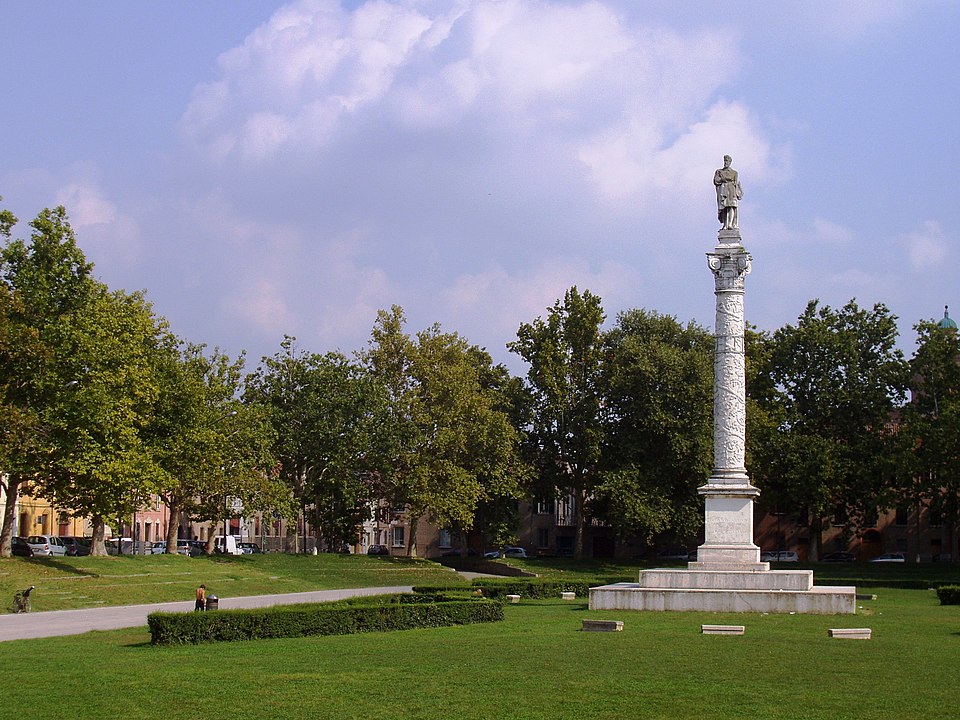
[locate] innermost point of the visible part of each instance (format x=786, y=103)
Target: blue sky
x=263, y=168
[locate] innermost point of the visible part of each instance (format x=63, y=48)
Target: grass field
x=535, y=664
x=69, y=583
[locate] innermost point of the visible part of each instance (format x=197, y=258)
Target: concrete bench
x=850, y=633
x=602, y=625
x=722, y=629
x=513, y=599
x=568, y=596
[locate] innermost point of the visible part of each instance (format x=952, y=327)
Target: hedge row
x=881, y=582
x=949, y=594
x=401, y=612
x=537, y=588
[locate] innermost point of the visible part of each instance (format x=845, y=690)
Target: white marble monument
x=727, y=575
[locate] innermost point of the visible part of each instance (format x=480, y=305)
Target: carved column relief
x=729, y=267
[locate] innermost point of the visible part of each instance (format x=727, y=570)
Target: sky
x=264, y=169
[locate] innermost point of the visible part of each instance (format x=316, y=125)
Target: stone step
x=798, y=580
x=603, y=625
x=850, y=633
x=722, y=629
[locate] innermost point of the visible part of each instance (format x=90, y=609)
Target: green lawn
x=536, y=664
x=66, y=583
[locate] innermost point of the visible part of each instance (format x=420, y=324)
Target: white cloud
x=108, y=236
x=634, y=104
x=497, y=300
x=632, y=163
x=927, y=247
x=831, y=233
x=259, y=303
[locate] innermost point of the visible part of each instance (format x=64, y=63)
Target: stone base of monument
x=728, y=590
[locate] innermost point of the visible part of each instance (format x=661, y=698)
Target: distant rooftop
x=947, y=321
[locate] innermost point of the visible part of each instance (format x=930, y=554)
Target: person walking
x=201, y=598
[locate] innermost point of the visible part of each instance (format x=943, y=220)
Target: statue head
x=727, y=160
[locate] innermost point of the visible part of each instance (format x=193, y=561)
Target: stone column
x=728, y=494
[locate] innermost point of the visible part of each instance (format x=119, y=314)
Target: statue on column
x=729, y=193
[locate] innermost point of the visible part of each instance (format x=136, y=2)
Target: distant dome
x=947, y=321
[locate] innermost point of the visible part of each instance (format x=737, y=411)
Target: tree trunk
x=97, y=545
x=412, y=546
x=816, y=537
x=9, y=515
x=579, y=522
x=173, y=524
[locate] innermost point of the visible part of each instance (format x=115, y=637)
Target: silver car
x=46, y=545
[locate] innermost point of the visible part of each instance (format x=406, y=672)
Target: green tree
x=43, y=282
x=214, y=450
x=658, y=393
x=931, y=426
x=102, y=468
x=455, y=445
x=332, y=430
x=836, y=379
x=564, y=353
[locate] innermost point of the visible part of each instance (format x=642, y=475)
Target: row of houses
x=546, y=529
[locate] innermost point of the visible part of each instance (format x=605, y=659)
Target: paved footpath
x=75, y=622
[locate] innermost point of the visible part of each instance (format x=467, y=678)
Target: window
x=902, y=515
x=544, y=507
x=445, y=539
x=934, y=517
x=398, y=537
x=543, y=538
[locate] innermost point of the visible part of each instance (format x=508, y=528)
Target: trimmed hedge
x=383, y=613
x=949, y=594
x=537, y=588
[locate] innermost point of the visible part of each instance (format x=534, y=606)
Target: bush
x=499, y=589
x=379, y=614
x=949, y=594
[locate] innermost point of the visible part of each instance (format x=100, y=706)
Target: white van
x=232, y=548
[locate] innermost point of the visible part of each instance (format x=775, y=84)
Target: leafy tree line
x=101, y=405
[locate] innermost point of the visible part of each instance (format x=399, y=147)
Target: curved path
x=75, y=622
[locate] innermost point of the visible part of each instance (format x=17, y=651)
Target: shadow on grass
x=63, y=567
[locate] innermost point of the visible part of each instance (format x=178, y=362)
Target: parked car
x=118, y=546
x=508, y=552
x=378, y=550
x=231, y=548
x=19, y=547
x=195, y=548
x=159, y=547
x=455, y=552
x=838, y=557
x=48, y=545
x=76, y=546
x=250, y=548
x=890, y=557
x=779, y=556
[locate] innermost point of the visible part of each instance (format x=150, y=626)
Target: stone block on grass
x=602, y=625
x=722, y=629
x=850, y=633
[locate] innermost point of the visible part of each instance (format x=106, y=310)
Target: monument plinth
x=727, y=575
